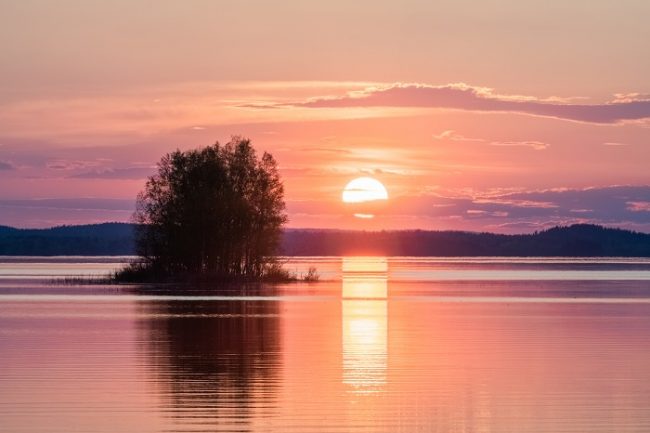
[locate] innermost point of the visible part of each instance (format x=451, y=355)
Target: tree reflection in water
x=216, y=361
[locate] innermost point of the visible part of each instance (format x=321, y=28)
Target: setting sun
x=364, y=193
x=364, y=189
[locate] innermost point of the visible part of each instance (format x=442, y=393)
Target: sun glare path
x=365, y=323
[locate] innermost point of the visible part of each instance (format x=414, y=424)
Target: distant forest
x=575, y=240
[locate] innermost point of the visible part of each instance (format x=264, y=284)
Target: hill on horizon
x=577, y=240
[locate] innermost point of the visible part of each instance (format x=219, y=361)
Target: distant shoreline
x=583, y=240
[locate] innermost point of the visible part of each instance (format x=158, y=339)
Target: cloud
x=331, y=150
x=514, y=212
x=70, y=204
x=639, y=206
x=629, y=97
x=505, y=211
x=5, y=165
x=462, y=96
x=117, y=173
x=452, y=135
x=507, y=200
x=619, y=206
x=66, y=164
x=537, y=145
x=611, y=204
x=52, y=212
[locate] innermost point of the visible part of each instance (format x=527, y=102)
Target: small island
x=211, y=214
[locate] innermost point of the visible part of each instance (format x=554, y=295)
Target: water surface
x=386, y=345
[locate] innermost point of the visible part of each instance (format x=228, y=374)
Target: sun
x=363, y=189
x=364, y=193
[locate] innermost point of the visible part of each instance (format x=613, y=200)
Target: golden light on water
x=365, y=323
x=365, y=277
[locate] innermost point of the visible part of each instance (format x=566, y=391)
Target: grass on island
x=83, y=280
x=274, y=272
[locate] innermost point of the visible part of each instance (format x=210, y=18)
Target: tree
x=213, y=211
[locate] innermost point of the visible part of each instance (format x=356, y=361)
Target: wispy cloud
x=52, y=212
x=536, y=145
x=613, y=143
x=69, y=165
x=5, y=165
x=462, y=96
x=638, y=206
x=70, y=203
x=630, y=97
x=117, y=173
x=605, y=205
x=621, y=206
x=451, y=135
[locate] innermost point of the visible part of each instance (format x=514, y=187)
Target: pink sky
x=499, y=115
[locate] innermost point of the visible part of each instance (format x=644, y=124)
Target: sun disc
x=364, y=189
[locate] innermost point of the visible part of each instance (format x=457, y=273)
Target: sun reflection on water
x=364, y=323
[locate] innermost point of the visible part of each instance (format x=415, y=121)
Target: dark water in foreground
x=397, y=345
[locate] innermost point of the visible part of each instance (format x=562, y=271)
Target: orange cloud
x=462, y=96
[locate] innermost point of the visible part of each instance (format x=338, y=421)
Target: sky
x=506, y=116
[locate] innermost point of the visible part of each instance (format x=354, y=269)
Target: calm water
x=390, y=345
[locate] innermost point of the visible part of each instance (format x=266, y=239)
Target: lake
x=378, y=345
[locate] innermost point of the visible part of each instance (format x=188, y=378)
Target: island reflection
x=217, y=361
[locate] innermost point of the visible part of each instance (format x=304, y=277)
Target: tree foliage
x=218, y=210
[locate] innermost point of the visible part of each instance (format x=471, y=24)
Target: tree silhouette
x=213, y=211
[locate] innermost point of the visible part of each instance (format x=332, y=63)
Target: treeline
x=84, y=240
x=576, y=240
